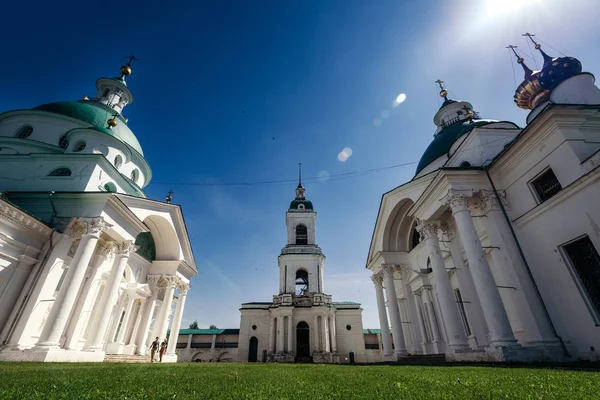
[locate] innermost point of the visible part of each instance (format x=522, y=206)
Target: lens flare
x=377, y=122
x=344, y=154
x=399, y=99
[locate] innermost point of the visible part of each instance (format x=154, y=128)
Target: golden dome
x=126, y=70
x=443, y=93
x=112, y=122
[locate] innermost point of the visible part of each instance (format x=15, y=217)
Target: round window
x=24, y=132
x=110, y=187
x=79, y=146
x=348, y=327
x=63, y=143
x=253, y=327
x=118, y=161
x=135, y=175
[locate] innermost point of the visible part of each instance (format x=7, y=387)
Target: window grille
x=63, y=143
x=546, y=185
x=24, y=132
x=586, y=262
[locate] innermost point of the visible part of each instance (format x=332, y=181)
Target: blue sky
x=241, y=91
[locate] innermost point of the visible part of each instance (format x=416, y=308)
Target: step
x=126, y=358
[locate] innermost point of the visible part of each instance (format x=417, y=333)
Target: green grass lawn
x=289, y=381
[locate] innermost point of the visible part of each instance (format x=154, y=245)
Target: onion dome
x=529, y=94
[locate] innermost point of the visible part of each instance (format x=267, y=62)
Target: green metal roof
x=346, y=302
x=372, y=331
x=443, y=141
x=96, y=114
x=295, y=203
x=207, y=331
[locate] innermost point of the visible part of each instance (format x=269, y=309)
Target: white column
x=109, y=297
x=392, y=299
x=412, y=312
x=383, y=319
x=271, y=334
x=316, y=344
x=138, y=322
x=530, y=311
x=170, y=282
x=126, y=320
x=183, y=290
x=333, y=334
x=419, y=302
x=467, y=287
x=14, y=285
x=289, y=338
x=451, y=317
x=280, y=332
x=326, y=334
x=430, y=309
x=485, y=285
x=142, y=334
x=63, y=305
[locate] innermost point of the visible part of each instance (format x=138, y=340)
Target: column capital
x=93, y=226
x=428, y=229
x=106, y=248
x=388, y=270
x=183, y=288
x=153, y=280
x=74, y=229
x=458, y=200
x=491, y=202
x=125, y=248
x=377, y=280
x=167, y=281
x=448, y=228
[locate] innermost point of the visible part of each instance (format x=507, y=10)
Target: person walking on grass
x=153, y=348
x=163, y=348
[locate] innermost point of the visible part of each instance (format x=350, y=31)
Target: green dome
x=96, y=114
x=295, y=203
x=443, y=141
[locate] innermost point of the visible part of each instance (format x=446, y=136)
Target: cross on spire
x=131, y=59
x=169, y=197
x=443, y=91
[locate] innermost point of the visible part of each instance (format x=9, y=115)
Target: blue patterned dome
x=558, y=70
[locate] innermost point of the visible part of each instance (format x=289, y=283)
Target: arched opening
x=398, y=234
x=118, y=161
x=225, y=357
x=301, y=282
x=147, y=248
x=301, y=235
x=106, y=92
x=62, y=171
x=253, y=350
x=63, y=142
x=302, y=339
x=165, y=238
x=416, y=238
x=24, y=132
x=465, y=164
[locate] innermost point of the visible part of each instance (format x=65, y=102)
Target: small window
x=63, y=171
x=63, y=142
x=300, y=206
x=348, y=327
x=110, y=187
x=118, y=162
x=465, y=164
x=301, y=235
x=79, y=146
x=546, y=185
x=135, y=175
x=585, y=260
x=106, y=92
x=24, y=132
x=253, y=327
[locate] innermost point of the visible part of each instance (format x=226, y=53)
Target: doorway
x=302, y=339
x=253, y=352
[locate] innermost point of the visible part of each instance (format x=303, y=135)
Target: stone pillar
x=333, y=334
x=289, y=338
x=146, y=320
x=63, y=305
x=325, y=320
x=316, y=342
x=183, y=290
x=189, y=341
x=530, y=310
x=485, y=285
x=383, y=320
x=14, y=286
x=430, y=309
x=126, y=320
x=456, y=334
x=390, y=291
x=109, y=297
x=467, y=288
x=412, y=312
x=280, y=332
x=138, y=322
x=165, y=311
x=424, y=339
x=271, y=334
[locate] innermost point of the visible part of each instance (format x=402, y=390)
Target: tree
x=194, y=325
x=213, y=327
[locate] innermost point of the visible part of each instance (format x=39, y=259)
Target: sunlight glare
x=399, y=99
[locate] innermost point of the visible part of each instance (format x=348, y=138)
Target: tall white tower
x=301, y=260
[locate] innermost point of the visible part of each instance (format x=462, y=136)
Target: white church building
x=302, y=323
x=88, y=265
x=491, y=251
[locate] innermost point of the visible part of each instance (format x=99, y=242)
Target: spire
x=528, y=72
x=300, y=189
x=114, y=92
x=443, y=91
x=547, y=58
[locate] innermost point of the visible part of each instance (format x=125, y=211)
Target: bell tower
x=301, y=261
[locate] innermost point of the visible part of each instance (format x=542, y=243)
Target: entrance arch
x=302, y=339
x=253, y=351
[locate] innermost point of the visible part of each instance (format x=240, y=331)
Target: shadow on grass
x=570, y=366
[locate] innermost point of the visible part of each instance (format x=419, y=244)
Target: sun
x=505, y=6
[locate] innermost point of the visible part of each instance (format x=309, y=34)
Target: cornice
x=24, y=220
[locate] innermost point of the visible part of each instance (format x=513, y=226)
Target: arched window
x=110, y=187
x=301, y=235
x=465, y=164
x=24, y=132
x=301, y=282
x=79, y=146
x=135, y=175
x=106, y=92
x=63, y=143
x=118, y=162
x=62, y=171
x=416, y=238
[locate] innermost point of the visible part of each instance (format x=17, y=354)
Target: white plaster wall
x=350, y=340
x=260, y=318
x=307, y=218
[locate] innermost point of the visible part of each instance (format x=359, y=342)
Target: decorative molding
x=73, y=248
x=183, y=288
x=23, y=220
x=458, y=200
x=489, y=201
x=94, y=226
x=126, y=248
x=428, y=230
x=388, y=270
x=74, y=229
x=106, y=248
x=377, y=279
